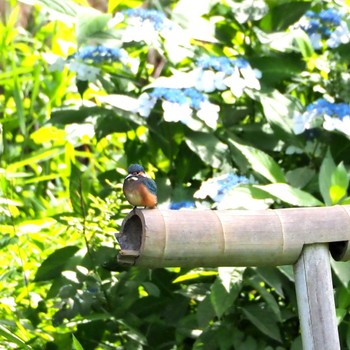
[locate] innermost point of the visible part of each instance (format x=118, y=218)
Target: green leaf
x=279, y=111
x=6, y=240
x=264, y=320
x=55, y=264
x=297, y=344
x=300, y=177
x=290, y=195
x=65, y=7
x=255, y=282
x=339, y=183
x=111, y=123
x=283, y=15
x=333, y=180
x=90, y=24
x=124, y=102
x=325, y=177
x=207, y=147
x=272, y=277
x=69, y=116
x=18, y=98
x=276, y=68
x=7, y=202
x=79, y=190
x=205, y=312
x=288, y=271
x=225, y=289
x=36, y=157
x=261, y=162
x=303, y=42
x=76, y=192
x=342, y=271
x=194, y=275
x=151, y=289
x=76, y=344
x=220, y=298
x=82, y=86
x=336, y=193
x=13, y=338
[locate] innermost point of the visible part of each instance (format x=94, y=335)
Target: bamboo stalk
x=160, y=238
x=313, y=282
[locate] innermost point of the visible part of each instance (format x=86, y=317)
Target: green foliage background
x=60, y=189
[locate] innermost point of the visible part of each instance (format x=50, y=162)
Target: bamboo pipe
x=190, y=238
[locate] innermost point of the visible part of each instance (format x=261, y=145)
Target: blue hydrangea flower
x=182, y=205
x=84, y=60
x=180, y=96
x=328, y=25
x=218, y=64
x=146, y=25
x=219, y=73
x=330, y=16
x=196, y=97
x=100, y=54
x=216, y=188
x=322, y=113
x=179, y=105
x=157, y=18
x=172, y=95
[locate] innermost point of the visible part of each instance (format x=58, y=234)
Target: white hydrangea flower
x=140, y=30
x=57, y=65
x=316, y=40
x=118, y=18
x=209, y=81
x=340, y=35
x=145, y=103
x=336, y=124
x=84, y=71
x=303, y=121
x=209, y=113
x=329, y=123
x=250, y=77
x=236, y=83
x=345, y=126
x=175, y=112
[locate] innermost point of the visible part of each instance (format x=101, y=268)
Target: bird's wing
x=151, y=185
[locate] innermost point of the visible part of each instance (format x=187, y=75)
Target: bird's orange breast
x=139, y=195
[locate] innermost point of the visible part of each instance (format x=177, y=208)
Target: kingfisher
x=139, y=189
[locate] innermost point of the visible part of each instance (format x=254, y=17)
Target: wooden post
x=314, y=289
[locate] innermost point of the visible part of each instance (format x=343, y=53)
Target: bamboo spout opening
x=339, y=249
x=130, y=240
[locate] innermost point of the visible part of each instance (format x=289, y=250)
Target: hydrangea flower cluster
x=182, y=205
x=179, y=105
x=156, y=18
x=220, y=73
x=100, y=54
x=331, y=116
x=145, y=25
x=81, y=61
x=326, y=25
x=216, y=188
